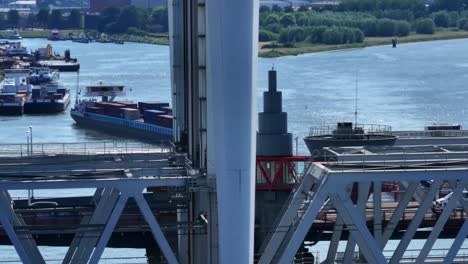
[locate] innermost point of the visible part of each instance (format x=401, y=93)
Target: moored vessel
x=49, y=98
x=14, y=49
x=15, y=35
x=43, y=75
x=14, y=92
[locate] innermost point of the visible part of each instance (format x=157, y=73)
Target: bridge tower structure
x=213, y=66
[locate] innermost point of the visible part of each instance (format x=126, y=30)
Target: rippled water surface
x=407, y=87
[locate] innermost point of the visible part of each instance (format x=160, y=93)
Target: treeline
x=350, y=20
x=111, y=20
x=129, y=20
x=44, y=18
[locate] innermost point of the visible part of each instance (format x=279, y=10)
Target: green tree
x=43, y=17
x=441, y=19
x=31, y=20
x=2, y=22
x=296, y=34
x=276, y=9
x=128, y=18
x=462, y=23
x=385, y=27
x=453, y=18
x=402, y=29
x=55, y=19
x=454, y=5
x=108, y=15
x=288, y=20
x=264, y=9
x=301, y=19
x=288, y=9
x=369, y=27
x=358, y=35
x=74, y=20
x=315, y=34
x=303, y=8
x=275, y=28
x=425, y=26
x=159, y=16
x=272, y=19
x=13, y=18
x=265, y=35
x=332, y=35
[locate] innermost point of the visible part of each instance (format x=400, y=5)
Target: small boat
x=81, y=38
x=118, y=41
x=347, y=135
x=143, y=120
x=54, y=35
x=43, y=75
x=15, y=35
x=14, y=92
x=15, y=49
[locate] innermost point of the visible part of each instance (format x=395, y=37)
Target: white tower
x=232, y=47
x=213, y=64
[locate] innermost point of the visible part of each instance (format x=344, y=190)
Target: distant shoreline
x=305, y=48
x=301, y=48
x=160, y=39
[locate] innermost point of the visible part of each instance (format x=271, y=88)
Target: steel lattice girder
x=334, y=185
x=112, y=195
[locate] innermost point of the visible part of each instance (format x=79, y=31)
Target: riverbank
x=149, y=38
x=300, y=48
x=304, y=47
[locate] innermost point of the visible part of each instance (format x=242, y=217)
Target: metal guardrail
x=431, y=133
x=364, y=128
x=435, y=256
x=83, y=148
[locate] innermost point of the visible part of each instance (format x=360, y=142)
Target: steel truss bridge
x=327, y=186
x=323, y=201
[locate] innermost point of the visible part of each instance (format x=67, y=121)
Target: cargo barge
x=49, y=98
x=149, y=121
x=14, y=92
x=47, y=95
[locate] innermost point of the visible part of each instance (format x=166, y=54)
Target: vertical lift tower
x=213, y=64
x=277, y=170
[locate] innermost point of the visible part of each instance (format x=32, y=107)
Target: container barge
x=144, y=120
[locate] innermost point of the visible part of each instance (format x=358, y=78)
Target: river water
x=406, y=87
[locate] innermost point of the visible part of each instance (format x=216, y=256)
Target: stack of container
x=167, y=110
x=151, y=106
x=128, y=104
x=95, y=110
x=130, y=113
x=151, y=116
x=164, y=121
x=111, y=109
